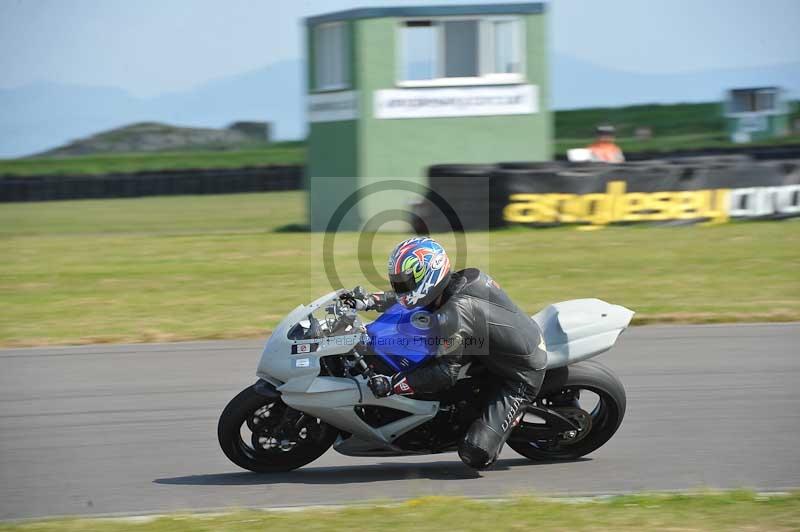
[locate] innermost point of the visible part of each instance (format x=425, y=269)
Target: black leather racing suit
x=478, y=323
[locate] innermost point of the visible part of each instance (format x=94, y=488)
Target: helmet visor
x=403, y=283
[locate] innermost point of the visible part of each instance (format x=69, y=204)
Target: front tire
x=276, y=438
x=603, y=419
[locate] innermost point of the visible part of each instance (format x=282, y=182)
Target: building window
x=753, y=100
x=765, y=101
x=507, y=51
x=460, y=51
x=331, y=65
x=419, y=50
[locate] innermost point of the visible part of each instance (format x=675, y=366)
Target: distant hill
x=36, y=117
x=155, y=137
x=39, y=116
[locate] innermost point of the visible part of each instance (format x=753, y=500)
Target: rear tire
x=606, y=416
x=241, y=412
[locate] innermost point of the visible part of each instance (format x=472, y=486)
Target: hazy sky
x=152, y=46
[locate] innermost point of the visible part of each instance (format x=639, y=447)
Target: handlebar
x=341, y=316
x=345, y=316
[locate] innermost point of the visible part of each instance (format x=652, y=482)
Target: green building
x=758, y=113
x=395, y=90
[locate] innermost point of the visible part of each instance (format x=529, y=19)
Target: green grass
x=294, y=153
x=193, y=267
x=665, y=120
x=155, y=216
x=278, y=153
x=702, y=512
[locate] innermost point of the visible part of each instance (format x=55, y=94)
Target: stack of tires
x=458, y=199
x=162, y=183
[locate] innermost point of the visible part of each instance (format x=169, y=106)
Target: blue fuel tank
x=404, y=338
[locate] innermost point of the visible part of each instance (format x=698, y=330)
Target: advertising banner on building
x=333, y=106
x=456, y=101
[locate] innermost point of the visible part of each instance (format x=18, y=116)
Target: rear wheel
x=262, y=434
x=592, y=398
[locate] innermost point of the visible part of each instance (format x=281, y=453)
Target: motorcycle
x=312, y=390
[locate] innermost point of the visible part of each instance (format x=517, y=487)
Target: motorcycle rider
x=475, y=321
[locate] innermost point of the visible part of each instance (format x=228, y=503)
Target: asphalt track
x=107, y=429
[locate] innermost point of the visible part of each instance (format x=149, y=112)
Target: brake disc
x=265, y=416
x=278, y=430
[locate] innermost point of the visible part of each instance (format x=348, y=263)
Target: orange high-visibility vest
x=608, y=152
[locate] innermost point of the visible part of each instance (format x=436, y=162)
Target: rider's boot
x=485, y=438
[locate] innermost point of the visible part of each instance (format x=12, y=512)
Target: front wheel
x=262, y=434
x=592, y=398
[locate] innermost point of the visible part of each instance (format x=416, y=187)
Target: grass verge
x=206, y=267
x=705, y=512
x=294, y=153
x=675, y=127
x=278, y=153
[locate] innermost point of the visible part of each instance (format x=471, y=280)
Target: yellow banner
x=617, y=205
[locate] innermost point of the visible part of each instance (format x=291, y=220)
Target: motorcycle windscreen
x=403, y=338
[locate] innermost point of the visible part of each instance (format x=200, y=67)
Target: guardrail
x=161, y=183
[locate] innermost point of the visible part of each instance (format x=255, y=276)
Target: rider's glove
x=400, y=385
x=381, y=385
x=358, y=299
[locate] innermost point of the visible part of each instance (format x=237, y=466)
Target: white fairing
x=580, y=328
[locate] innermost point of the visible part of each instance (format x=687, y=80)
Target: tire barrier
x=673, y=191
x=457, y=201
x=162, y=183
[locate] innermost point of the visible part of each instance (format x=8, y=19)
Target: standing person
x=604, y=149
x=478, y=323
